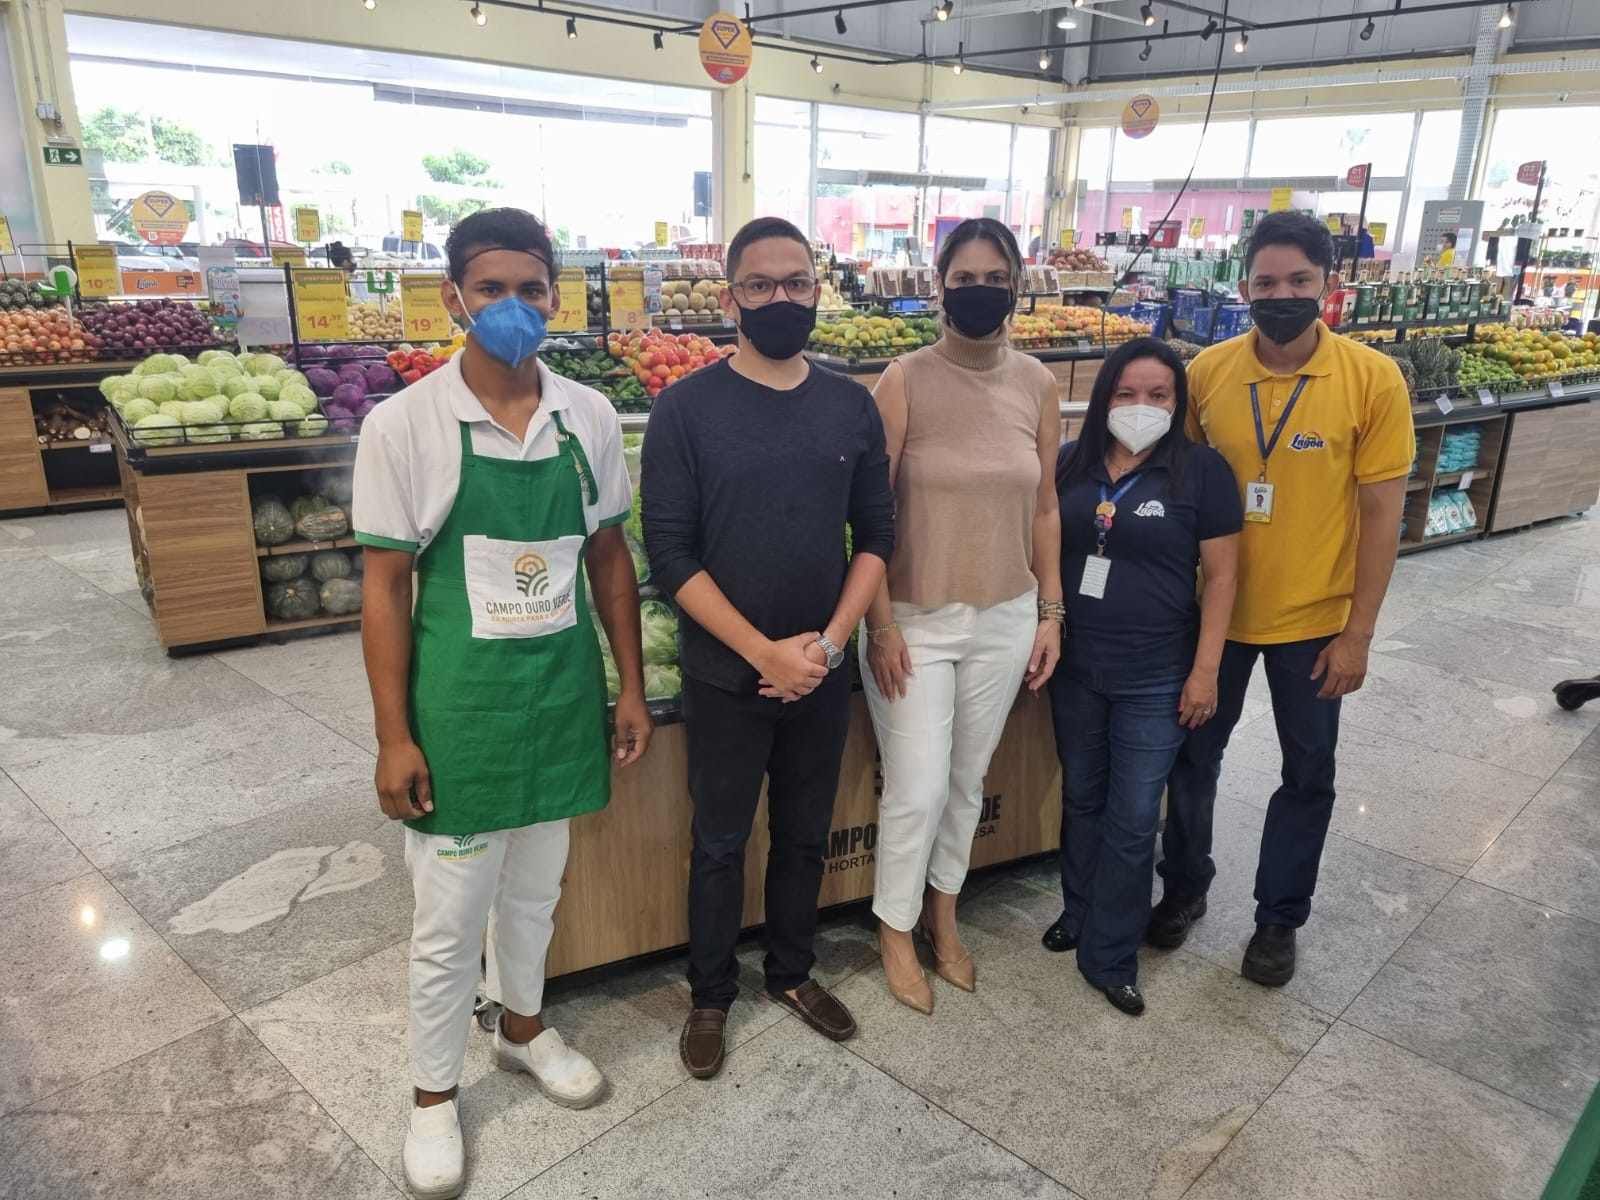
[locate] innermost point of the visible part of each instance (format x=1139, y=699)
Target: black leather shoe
x=1171, y=918
x=1126, y=998
x=1269, y=958
x=1058, y=939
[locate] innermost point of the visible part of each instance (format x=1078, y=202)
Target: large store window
x=16, y=197
x=1145, y=173
x=1309, y=145
x=875, y=220
x=1030, y=175
x=783, y=161
x=1568, y=140
x=974, y=160
x=1094, y=171
x=365, y=134
x=1430, y=178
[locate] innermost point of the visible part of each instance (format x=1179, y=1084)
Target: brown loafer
x=700, y=1045
x=818, y=1008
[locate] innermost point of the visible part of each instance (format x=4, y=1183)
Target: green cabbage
x=158, y=364
x=247, y=407
x=137, y=410
x=158, y=430
x=203, y=412
x=210, y=433
x=284, y=410
x=661, y=682
x=302, y=397
x=173, y=409
x=237, y=385
x=264, y=364
x=314, y=425
x=261, y=431
x=659, y=626
x=268, y=387
x=157, y=388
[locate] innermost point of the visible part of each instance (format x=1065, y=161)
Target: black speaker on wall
x=702, y=193
x=257, y=171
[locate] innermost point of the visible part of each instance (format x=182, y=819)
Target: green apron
x=507, y=694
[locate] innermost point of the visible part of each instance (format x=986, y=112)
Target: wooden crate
x=63, y=475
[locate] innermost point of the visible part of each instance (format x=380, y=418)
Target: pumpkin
x=329, y=564
x=340, y=596
x=324, y=525
x=272, y=521
x=337, y=486
x=358, y=563
x=306, y=505
x=292, y=600
x=281, y=568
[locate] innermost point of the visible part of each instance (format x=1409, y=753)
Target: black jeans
x=734, y=740
x=1299, y=811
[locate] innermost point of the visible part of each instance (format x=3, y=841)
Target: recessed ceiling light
x=1066, y=22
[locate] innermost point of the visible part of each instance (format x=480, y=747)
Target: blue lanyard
x=1103, y=520
x=1262, y=444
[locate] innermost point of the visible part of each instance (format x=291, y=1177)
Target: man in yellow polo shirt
x=1318, y=432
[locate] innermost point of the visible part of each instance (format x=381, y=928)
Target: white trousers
x=936, y=743
x=508, y=881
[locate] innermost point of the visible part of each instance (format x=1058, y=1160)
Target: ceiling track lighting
x=572, y=27
x=838, y=22
x=1368, y=30
x=1144, y=55
x=1211, y=27
x=1044, y=61
x=478, y=15
x=1508, y=18
x=961, y=56
x=369, y=5
x=943, y=10
x=1148, y=12
x=1065, y=22
x=1077, y=3
x=816, y=64
x=1241, y=43
x=657, y=39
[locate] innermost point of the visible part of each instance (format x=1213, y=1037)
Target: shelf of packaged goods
x=323, y=622
x=303, y=547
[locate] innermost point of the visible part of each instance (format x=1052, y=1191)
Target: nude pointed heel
x=958, y=972
x=915, y=994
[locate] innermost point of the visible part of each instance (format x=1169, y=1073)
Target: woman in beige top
x=972, y=604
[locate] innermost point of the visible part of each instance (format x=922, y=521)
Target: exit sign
x=63, y=156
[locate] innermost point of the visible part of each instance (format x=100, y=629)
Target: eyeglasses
x=759, y=289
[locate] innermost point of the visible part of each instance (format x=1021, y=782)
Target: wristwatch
x=834, y=654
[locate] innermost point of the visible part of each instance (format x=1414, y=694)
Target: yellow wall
x=61, y=193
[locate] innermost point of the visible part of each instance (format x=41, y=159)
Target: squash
x=273, y=523
x=292, y=600
x=323, y=525
x=340, y=596
x=338, y=486
x=306, y=505
x=281, y=568
x=329, y=564
x=358, y=562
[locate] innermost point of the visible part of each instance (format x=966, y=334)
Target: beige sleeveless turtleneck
x=968, y=477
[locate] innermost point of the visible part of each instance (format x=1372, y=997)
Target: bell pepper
x=410, y=375
x=398, y=360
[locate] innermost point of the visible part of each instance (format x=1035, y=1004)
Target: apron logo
x=1307, y=441
x=1151, y=508
x=462, y=847
x=533, y=575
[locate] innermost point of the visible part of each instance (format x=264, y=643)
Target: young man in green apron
x=496, y=483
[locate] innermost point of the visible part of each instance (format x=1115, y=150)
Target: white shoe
x=562, y=1074
x=435, y=1157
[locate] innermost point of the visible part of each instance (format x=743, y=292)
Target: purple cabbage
x=348, y=397
x=322, y=381
x=381, y=378
x=351, y=373
x=367, y=405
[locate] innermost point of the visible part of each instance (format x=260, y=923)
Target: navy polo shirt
x=1149, y=619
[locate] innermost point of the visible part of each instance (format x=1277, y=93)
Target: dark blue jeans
x=1117, y=739
x=1299, y=811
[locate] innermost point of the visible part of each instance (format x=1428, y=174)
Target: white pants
x=936, y=743
x=508, y=881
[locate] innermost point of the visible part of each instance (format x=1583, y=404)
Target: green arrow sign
x=63, y=156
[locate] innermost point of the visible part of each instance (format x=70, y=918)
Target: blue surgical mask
x=510, y=330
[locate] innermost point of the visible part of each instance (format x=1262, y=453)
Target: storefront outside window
x=783, y=161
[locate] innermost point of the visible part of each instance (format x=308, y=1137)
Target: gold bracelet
x=1052, y=610
x=874, y=634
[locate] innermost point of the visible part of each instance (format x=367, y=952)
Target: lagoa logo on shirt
x=1151, y=508
x=533, y=576
x=1307, y=441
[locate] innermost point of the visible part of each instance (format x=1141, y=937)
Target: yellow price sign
x=321, y=305
x=307, y=225
x=573, y=315
x=1197, y=227
x=663, y=233
x=1127, y=218
x=1069, y=237
x=627, y=298
x=7, y=246
x=410, y=225
x=98, y=276
x=288, y=256
x=422, y=308
x=1282, y=200
x=1379, y=230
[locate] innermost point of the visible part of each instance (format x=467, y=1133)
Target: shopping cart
x=1575, y=693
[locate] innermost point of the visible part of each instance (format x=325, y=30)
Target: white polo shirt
x=408, y=464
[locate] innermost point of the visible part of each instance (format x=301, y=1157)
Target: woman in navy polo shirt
x=1142, y=507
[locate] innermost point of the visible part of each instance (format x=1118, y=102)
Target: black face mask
x=1282, y=321
x=779, y=330
x=978, y=310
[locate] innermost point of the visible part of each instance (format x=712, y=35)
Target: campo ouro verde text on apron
x=507, y=693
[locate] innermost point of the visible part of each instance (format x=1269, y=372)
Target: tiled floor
x=203, y=922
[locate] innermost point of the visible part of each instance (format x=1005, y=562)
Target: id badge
x=1258, y=503
x=1096, y=570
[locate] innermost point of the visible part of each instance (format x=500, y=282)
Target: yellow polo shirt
x=1351, y=426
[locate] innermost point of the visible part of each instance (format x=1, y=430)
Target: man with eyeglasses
x=753, y=468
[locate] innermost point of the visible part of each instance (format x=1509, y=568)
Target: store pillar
x=36, y=35
x=733, y=160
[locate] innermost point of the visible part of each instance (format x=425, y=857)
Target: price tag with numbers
x=1485, y=396
x=1556, y=388
x=422, y=309
x=97, y=271
x=1446, y=405
x=573, y=315
x=1083, y=346
x=321, y=305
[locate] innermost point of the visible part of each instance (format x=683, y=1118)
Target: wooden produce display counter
x=193, y=539
x=626, y=887
x=62, y=474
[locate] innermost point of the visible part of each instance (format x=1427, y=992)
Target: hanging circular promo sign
x=725, y=48
x=160, y=217
x=1139, y=116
